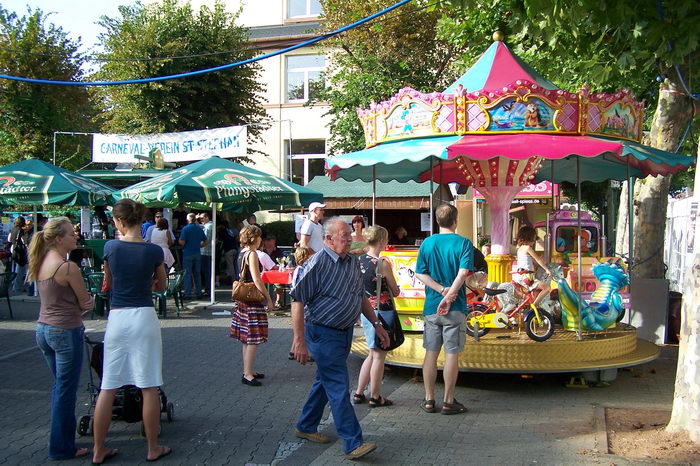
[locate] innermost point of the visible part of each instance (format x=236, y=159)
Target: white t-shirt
x=315, y=231
x=265, y=260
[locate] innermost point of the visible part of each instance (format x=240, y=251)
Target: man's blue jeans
x=63, y=350
x=330, y=348
x=193, y=269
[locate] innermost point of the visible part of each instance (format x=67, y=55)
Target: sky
x=78, y=18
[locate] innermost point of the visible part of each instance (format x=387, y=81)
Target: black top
x=368, y=267
x=248, y=278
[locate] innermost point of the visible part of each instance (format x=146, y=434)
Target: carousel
x=500, y=128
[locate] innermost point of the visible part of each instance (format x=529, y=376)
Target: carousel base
x=508, y=351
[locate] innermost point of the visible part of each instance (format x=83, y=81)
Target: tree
x=633, y=40
x=30, y=113
x=374, y=62
x=170, y=38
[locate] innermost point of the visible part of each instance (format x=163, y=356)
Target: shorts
x=448, y=331
x=370, y=332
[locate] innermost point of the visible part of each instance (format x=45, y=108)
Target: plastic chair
x=6, y=280
x=101, y=297
x=173, y=289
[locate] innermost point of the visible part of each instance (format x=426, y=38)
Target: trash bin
x=673, y=326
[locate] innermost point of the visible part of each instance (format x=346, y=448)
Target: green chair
x=6, y=280
x=101, y=298
x=174, y=290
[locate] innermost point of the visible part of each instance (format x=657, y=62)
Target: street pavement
x=511, y=419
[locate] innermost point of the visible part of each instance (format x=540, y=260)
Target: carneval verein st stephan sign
x=226, y=142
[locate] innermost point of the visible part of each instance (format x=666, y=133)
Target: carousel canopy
x=503, y=112
x=496, y=68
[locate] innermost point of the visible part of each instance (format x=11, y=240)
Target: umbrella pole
x=374, y=195
x=579, y=332
x=213, y=255
x=430, y=209
x=36, y=225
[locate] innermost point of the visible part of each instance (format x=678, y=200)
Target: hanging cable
x=209, y=70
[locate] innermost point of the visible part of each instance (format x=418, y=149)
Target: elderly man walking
x=444, y=262
x=328, y=298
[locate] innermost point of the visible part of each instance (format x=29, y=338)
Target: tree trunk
x=686, y=398
x=673, y=112
x=621, y=232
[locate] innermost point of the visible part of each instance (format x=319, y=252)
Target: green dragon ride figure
x=605, y=307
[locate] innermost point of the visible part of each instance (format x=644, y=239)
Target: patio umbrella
x=36, y=182
x=223, y=185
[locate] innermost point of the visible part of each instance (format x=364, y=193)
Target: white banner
x=175, y=147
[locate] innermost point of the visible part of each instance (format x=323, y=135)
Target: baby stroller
x=128, y=402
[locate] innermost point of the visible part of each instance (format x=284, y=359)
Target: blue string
x=208, y=70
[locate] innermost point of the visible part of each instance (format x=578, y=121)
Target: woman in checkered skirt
x=249, y=322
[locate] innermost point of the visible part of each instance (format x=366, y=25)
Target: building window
x=303, y=8
x=304, y=77
x=307, y=160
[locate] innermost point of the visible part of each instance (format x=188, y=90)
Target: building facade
x=295, y=142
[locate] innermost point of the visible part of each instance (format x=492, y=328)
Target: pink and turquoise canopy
x=481, y=118
x=498, y=67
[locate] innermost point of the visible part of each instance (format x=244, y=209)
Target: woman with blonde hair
x=371, y=264
x=249, y=321
x=133, y=349
x=59, y=329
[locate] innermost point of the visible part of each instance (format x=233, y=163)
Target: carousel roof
x=498, y=67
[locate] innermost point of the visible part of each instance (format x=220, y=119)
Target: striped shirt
x=331, y=289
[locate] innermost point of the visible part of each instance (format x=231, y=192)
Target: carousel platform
x=598, y=355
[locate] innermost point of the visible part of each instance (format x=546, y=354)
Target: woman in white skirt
x=132, y=348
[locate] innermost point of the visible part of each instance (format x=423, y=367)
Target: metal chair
x=102, y=298
x=6, y=280
x=174, y=290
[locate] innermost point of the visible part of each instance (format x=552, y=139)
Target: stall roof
x=342, y=194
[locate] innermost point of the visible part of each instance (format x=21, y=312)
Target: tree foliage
x=134, y=44
x=29, y=113
x=373, y=62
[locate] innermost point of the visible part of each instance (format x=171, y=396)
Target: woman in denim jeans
x=59, y=330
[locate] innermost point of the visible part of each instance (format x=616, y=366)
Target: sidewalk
x=511, y=420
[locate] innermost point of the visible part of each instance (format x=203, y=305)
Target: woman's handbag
x=395, y=332
x=246, y=292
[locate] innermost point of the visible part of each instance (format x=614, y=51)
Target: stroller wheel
x=84, y=425
x=170, y=412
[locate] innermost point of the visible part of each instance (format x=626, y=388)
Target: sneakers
x=361, y=451
x=313, y=437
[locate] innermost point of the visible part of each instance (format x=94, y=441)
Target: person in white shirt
x=312, y=230
x=265, y=260
x=149, y=232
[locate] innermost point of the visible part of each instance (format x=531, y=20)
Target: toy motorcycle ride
x=539, y=324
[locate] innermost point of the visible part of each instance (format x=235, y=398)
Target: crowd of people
x=340, y=275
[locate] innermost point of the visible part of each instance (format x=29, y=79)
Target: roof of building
x=285, y=30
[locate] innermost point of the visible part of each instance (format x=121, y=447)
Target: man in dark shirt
x=192, y=238
x=328, y=297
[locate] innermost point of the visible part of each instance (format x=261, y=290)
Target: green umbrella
x=35, y=182
x=224, y=185
x=230, y=185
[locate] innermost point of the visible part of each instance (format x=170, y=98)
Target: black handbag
x=395, y=332
x=19, y=251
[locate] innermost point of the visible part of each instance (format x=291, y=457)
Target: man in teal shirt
x=444, y=262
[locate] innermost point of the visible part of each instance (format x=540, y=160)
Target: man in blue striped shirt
x=328, y=297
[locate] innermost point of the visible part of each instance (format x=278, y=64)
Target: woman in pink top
x=59, y=329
